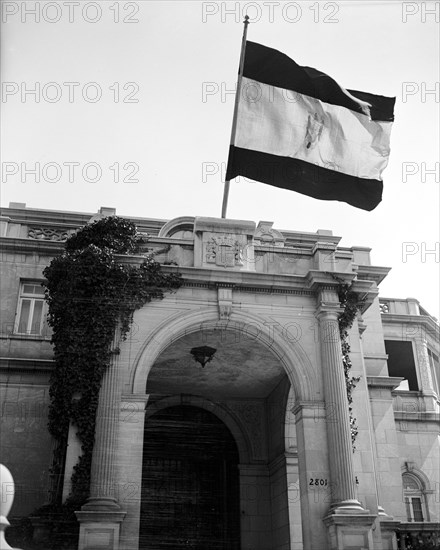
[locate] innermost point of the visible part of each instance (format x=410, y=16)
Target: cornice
x=74, y=219
x=301, y=237
x=300, y=251
x=387, y=382
x=329, y=279
x=240, y=280
x=425, y=320
x=249, y=281
x=421, y=416
x=15, y=244
x=23, y=364
x=373, y=273
x=417, y=526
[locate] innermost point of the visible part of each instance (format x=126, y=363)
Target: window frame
x=409, y=495
x=434, y=361
x=409, y=505
x=33, y=299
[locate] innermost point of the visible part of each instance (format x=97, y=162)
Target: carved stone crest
x=224, y=251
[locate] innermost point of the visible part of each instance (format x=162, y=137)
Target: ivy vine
x=349, y=300
x=90, y=292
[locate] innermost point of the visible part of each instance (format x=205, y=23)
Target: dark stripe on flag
x=272, y=67
x=303, y=177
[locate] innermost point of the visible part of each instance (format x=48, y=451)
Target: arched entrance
x=245, y=386
x=190, y=482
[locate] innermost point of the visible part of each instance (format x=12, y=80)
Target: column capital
x=329, y=311
x=328, y=304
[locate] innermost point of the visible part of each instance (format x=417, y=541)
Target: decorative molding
x=417, y=526
x=267, y=236
x=183, y=223
x=26, y=337
x=421, y=416
x=21, y=364
x=386, y=382
x=135, y=397
x=191, y=284
x=309, y=409
x=245, y=281
x=274, y=290
x=49, y=234
x=325, y=246
x=16, y=245
x=318, y=280
x=431, y=327
x=373, y=273
x=252, y=289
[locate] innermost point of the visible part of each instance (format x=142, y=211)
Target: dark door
x=190, y=485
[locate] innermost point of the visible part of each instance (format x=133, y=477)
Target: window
x=414, y=497
x=435, y=370
x=401, y=362
x=31, y=313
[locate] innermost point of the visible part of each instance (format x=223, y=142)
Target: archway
x=246, y=387
x=190, y=482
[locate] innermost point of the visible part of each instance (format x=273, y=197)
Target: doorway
x=190, y=482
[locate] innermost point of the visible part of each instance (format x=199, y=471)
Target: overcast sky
x=138, y=96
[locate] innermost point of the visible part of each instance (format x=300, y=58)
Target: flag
x=298, y=129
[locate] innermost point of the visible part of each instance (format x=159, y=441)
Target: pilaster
x=131, y=436
x=425, y=375
x=101, y=516
x=314, y=491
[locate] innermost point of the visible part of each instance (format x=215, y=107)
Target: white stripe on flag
x=288, y=124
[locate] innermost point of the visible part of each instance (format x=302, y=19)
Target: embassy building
x=223, y=422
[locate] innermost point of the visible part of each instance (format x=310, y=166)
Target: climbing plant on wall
x=91, y=289
x=349, y=300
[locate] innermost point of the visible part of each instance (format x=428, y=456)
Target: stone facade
x=267, y=301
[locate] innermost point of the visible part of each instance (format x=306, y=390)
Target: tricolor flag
x=296, y=128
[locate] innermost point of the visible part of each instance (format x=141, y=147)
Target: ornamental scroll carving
x=48, y=234
x=266, y=235
x=224, y=251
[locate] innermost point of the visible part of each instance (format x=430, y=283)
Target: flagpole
x=237, y=98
